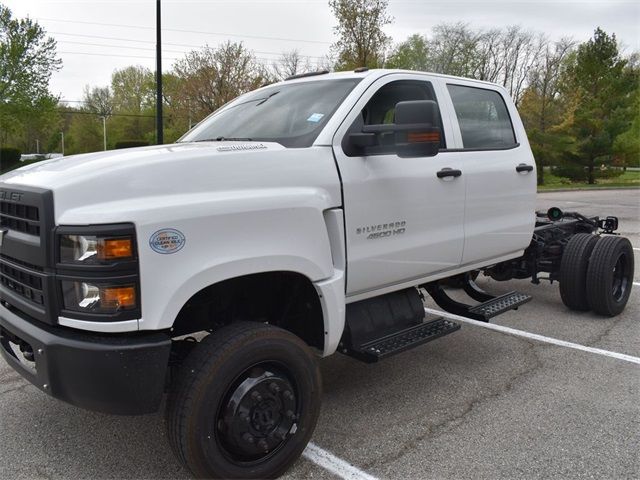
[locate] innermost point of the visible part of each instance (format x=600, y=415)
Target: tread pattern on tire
x=183, y=395
x=573, y=271
x=600, y=273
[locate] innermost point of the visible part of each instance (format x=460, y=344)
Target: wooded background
x=580, y=102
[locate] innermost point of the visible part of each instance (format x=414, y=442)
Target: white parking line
x=636, y=248
x=535, y=336
x=335, y=465
x=637, y=284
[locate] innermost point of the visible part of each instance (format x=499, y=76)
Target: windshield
x=290, y=114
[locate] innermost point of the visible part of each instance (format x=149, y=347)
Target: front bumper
x=119, y=374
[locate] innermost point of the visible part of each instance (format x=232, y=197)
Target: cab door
x=404, y=216
x=492, y=151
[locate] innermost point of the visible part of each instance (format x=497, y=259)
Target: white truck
x=304, y=218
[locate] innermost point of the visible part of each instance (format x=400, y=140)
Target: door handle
x=523, y=167
x=448, y=172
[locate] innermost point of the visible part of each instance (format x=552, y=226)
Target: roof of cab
x=376, y=72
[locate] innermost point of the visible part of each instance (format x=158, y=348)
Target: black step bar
x=397, y=342
x=490, y=307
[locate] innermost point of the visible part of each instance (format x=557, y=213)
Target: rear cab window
x=483, y=118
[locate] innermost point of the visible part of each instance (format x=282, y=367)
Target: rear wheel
x=573, y=271
x=610, y=275
x=246, y=403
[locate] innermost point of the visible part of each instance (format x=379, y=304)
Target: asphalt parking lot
x=475, y=404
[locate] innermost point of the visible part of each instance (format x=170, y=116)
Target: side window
x=483, y=118
x=381, y=110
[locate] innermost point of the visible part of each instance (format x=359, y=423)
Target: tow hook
x=27, y=352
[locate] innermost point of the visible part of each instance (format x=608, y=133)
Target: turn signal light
x=112, y=248
x=420, y=137
x=118, y=297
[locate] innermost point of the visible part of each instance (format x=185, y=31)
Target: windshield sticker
x=315, y=118
x=167, y=240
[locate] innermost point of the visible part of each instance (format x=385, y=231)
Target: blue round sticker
x=167, y=240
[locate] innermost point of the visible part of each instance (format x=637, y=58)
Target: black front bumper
x=120, y=373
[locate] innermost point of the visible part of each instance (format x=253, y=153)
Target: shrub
x=9, y=158
x=131, y=144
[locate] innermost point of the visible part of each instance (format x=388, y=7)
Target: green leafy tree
x=134, y=103
x=412, y=54
x=626, y=146
x=27, y=61
x=541, y=106
x=601, y=88
x=361, y=39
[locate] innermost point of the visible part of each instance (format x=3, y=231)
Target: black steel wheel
x=573, y=271
x=610, y=275
x=246, y=403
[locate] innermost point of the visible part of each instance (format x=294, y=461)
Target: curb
x=586, y=189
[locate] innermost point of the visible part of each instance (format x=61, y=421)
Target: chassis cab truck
x=304, y=218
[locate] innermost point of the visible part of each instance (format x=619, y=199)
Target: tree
x=133, y=89
x=133, y=95
x=541, y=107
x=27, y=59
x=626, y=146
x=98, y=100
x=601, y=89
x=289, y=64
x=211, y=77
x=412, y=54
x=361, y=40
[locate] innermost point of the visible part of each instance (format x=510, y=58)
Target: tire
x=610, y=275
x=573, y=271
x=246, y=403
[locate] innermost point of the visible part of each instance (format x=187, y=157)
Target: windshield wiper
x=233, y=139
x=222, y=139
x=260, y=103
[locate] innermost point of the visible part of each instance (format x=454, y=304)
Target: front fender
x=227, y=237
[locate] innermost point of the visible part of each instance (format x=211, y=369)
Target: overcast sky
x=96, y=37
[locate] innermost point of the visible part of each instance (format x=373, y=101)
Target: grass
x=628, y=179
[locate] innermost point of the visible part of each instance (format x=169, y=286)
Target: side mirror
x=417, y=134
x=415, y=131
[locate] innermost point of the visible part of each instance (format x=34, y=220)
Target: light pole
x=159, y=127
x=104, y=131
x=62, y=141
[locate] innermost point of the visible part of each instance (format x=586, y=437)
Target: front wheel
x=610, y=275
x=246, y=403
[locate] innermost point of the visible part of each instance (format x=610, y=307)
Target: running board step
x=402, y=340
x=490, y=307
x=501, y=304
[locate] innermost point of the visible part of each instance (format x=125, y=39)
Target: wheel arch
x=283, y=297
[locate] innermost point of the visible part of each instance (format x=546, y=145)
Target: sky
x=96, y=37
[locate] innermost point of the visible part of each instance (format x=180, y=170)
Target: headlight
x=94, y=249
x=96, y=297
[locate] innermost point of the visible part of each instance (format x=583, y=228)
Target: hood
x=99, y=166
x=101, y=187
